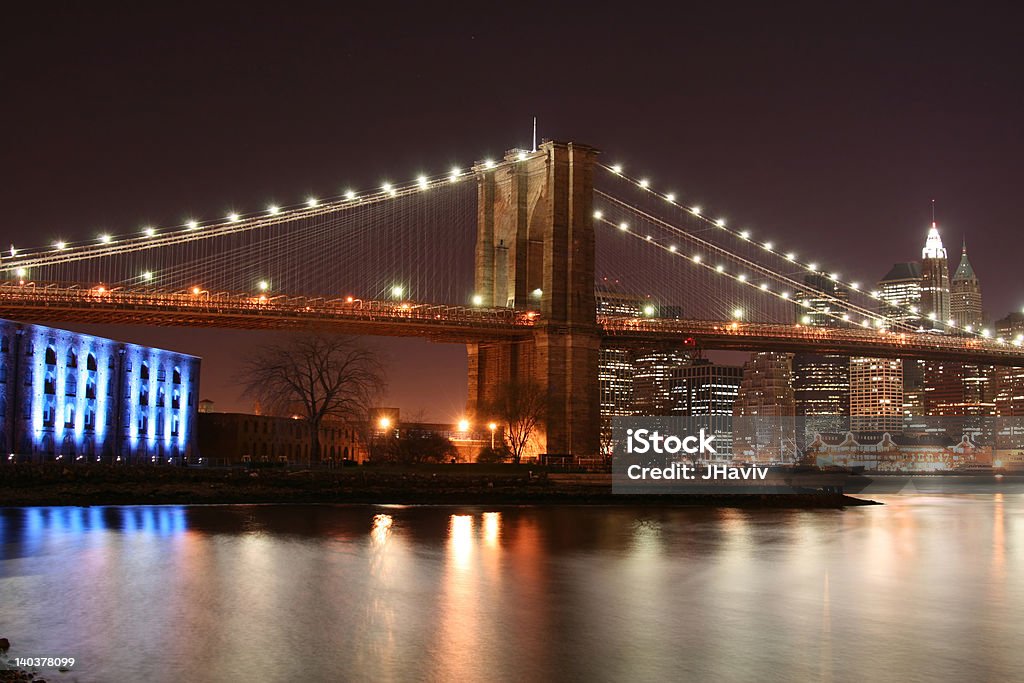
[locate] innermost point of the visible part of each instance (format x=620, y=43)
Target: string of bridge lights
x=719, y=269
x=104, y=244
x=770, y=247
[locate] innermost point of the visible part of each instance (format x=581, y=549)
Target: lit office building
x=900, y=292
x=654, y=389
x=1009, y=382
x=876, y=395
x=934, y=282
x=766, y=394
x=706, y=390
x=965, y=296
x=821, y=393
x=78, y=397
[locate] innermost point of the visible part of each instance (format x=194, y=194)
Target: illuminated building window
x=72, y=359
x=69, y=415
x=50, y=384
x=176, y=376
x=90, y=363
x=4, y=344
x=144, y=372
x=144, y=395
x=90, y=388
x=51, y=356
x=71, y=384
x=160, y=396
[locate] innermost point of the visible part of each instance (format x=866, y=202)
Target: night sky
x=829, y=127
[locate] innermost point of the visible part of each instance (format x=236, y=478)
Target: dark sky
x=829, y=126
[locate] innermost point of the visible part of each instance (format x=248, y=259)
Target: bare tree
x=522, y=407
x=315, y=375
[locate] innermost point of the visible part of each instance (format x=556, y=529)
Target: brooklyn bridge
x=521, y=259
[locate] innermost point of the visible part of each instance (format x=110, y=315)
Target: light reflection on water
x=925, y=587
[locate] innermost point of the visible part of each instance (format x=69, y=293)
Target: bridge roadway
x=462, y=324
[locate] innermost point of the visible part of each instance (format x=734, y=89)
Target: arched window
x=160, y=396
x=144, y=395
x=90, y=362
x=144, y=371
x=176, y=399
x=72, y=358
x=5, y=344
x=177, y=375
x=69, y=414
x=71, y=383
x=51, y=356
x=50, y=383
x=90, y=388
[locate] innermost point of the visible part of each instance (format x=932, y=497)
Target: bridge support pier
x=535, y=252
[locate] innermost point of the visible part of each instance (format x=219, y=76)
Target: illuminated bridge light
x=672, y=248
x=737, y=313
x=488, y=163
x=455, y=175
x=623, y=225
x=478, y=300
x=768, y=246
x=397, y=291
x=806, y=320
x=598, y=215
x=147, y=275
x=192, y=225
x=764, y=286
x=233, y=217
x=105, y=238
x=422, y=182
x=59, y=245
x=741, y=277
x=273, y=209
x=350, y=195
x=617, y=168
x=695, y=211
x=644, y=183
x=263, y=285
x=854, y=285
x=648, y=310
x=21, y=272
x=791, y=256
x=813, y=267
x=720, y=268
x=149, y=232
x=311, y=202
x=785, y=295
x=745, y=234
x=670, y=197
x=521, y=156
x=720, y=222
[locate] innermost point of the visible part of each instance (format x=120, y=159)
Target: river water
x=927, y=587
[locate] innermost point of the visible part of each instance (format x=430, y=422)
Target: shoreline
x=97, y=485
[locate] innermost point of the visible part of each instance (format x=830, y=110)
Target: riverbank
x=23, y=485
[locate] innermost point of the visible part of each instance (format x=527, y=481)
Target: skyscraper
x=654, y=390
x=900, y=291
x=766, y=393
x=965, y=295
x=821, y=393
x=934, y=281
x=876, y=394
x=708, y=390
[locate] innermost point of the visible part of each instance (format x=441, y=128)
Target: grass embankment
x=55, y=484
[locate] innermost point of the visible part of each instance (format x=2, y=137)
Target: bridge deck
x=462, y=324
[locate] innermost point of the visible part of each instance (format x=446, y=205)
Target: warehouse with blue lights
x=71, y=396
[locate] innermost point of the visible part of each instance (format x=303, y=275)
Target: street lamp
x=463, y=425
x=492, y=426
x=384, y=422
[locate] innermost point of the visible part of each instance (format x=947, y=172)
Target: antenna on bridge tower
x=534, y=133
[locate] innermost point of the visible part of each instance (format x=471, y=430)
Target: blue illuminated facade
x=71, y=396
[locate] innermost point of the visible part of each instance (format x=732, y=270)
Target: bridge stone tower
x=535, y=251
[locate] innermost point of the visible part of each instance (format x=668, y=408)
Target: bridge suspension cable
x=743, y=237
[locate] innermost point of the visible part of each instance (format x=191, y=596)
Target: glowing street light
x=493, y=426
x=737, y=313
x=263, y=285
x=648, y=311
x=463, y=425
x=384, y=423
x=478, y=300
x=397, y=291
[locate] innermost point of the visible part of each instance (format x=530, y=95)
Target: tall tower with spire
x=934, y=281
x=965, y=295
